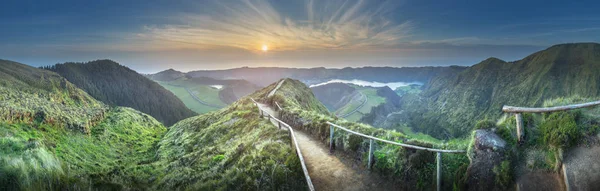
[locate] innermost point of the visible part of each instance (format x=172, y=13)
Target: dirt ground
x=583, y=167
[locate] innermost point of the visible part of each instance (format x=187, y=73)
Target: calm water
x=392, y=85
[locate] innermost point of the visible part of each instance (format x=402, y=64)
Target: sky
x=150, y=36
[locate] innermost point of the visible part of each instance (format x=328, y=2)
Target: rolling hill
x=118, y=85
x=54, y=136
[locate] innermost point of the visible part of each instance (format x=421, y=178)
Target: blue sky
x=150, y=36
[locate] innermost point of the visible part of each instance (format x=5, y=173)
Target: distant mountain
x=266, y=75
x=167, y=75
x=450, y=105
x=54, y=136
x=115, y=84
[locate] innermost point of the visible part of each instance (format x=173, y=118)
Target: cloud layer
x=248, y=24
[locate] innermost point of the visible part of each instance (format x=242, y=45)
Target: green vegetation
x=560, y=129
x=188, y=100
x=211, y=98
x=49, y=141
x=412, y=167
x=503, y=172
x=369, y=94
x=410, y=89
x=118, y=85
x=230, y=149
x=450, y=105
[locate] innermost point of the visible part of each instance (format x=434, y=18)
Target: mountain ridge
x=114, y=84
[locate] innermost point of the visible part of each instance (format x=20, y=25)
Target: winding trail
x=333, y=171
x=276, y=88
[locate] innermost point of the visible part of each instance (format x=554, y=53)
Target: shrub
x=485, y=124
x=503, y=174
x=560, y=129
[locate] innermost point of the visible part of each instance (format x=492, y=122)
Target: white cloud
x=251, y=23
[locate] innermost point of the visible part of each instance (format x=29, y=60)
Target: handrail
x=311, y=187
x=396, y=143
x=278, y=106
x=512, y=109
x=519, y=118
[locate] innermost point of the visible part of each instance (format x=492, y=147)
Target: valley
x=81, y=122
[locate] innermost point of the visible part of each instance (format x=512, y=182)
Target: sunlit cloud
x=250, y=24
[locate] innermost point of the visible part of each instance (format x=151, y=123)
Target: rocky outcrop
x=488, y=153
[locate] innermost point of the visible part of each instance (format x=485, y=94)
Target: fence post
x=279, y=124
x=519, y=119
x=331, y=138
x=371, y=148
x=439, y=171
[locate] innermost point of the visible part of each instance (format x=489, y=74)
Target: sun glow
x=265, y=48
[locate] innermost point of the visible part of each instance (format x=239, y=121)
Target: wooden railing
x=372, y=148
x=294, y=142
x=519, y=118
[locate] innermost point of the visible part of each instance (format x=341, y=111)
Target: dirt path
x=334, y=171
x=276, y=88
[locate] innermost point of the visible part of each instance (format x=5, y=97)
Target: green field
x=205, y=93
x=373, y=100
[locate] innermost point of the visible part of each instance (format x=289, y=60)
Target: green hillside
x=118, y=85
x=229, y=149
x=202, y=92
x=54, y=136
x=414, y=168
x=205, y=94
x=450, y=105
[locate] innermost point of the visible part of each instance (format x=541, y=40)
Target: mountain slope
x=114, y=84
x=167, y=75
x=413, y=168
x=455, y=102
x=54, y=136
x=205, y=94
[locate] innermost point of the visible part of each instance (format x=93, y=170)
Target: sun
x=265, y=48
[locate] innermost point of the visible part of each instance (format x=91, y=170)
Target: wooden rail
x=372, y=148
x=311, y=187
x=519, y=118
x=512, y=109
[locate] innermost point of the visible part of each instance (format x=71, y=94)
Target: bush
x=503, y=174
x=560, y=129
x=485, y=124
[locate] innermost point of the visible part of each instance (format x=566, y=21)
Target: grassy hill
x=54, y=136
x=118, y=85
x=450, y=105
x=213, y=94
x=229, y=149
